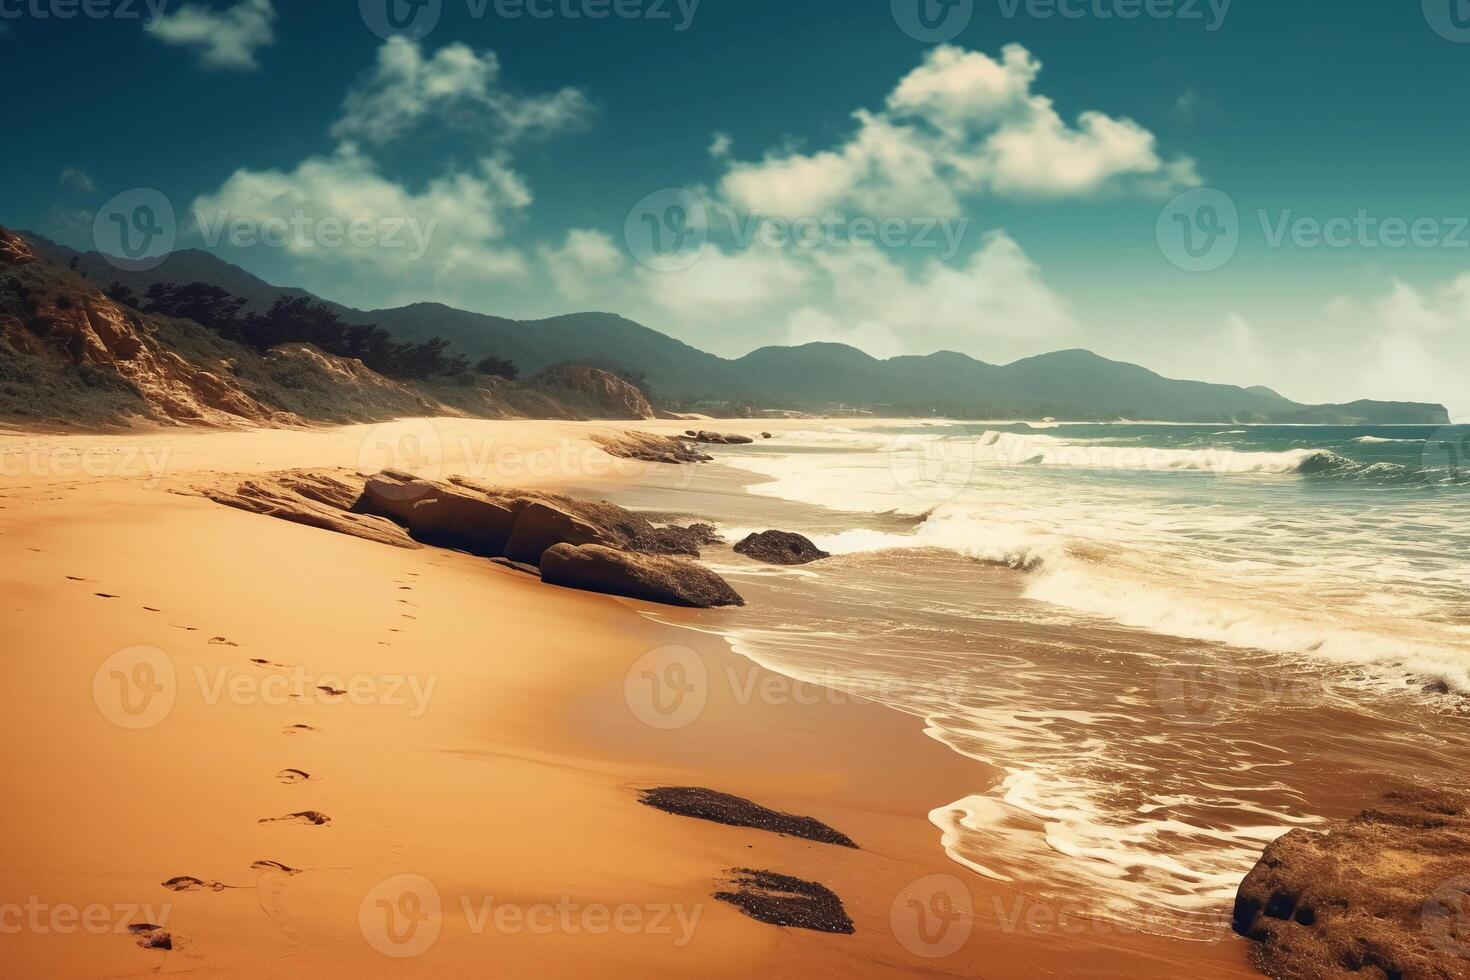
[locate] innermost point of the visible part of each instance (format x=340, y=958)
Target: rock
x=1384, y=894
x=540, y=525
x=765, y=435
x=314, y=500
x=780, y=548
x=654, y=578
x=14, y=250
x=783, y=900
x=650, y=448
x=706, y=804
x=441, y=515
x=601, y=393
x=716, y=439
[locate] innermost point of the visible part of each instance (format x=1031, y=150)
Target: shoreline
x=516, y=785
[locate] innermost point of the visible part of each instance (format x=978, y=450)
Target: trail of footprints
x=154, y=936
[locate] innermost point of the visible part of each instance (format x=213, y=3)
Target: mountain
x=1070, y=384
x=72, y=356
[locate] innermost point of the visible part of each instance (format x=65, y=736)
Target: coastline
x=515, y=786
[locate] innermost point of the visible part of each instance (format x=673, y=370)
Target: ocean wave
x=1372, y=440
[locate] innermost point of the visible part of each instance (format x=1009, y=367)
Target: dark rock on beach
x=782, y=900
x=654, y=578
x=651, y=448
x=733, y=811
x=540, y=525
x=719, y=439
x=780, y=548
x=630, y=556
x=1384, y=894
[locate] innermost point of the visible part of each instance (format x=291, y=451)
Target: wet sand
x=480, y=772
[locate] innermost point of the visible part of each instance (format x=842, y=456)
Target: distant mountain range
x=1069, y=384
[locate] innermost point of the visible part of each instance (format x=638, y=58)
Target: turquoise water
x=1175, y=642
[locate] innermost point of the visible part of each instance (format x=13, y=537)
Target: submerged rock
x=733, y=811
x=780, y=548
x=1384, y=894
x=654, y=578
x=783, y=900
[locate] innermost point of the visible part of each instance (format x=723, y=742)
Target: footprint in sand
x=267, y=663
x=152, y=936
x=331, y=692
x=297, y=729
x=188, y=883
x=220, y=641
x=191, y=629
x=311, y=818
x=78, y=578
x=293, y=776
x=106, y=595
x=151, y=609
x=275, y=866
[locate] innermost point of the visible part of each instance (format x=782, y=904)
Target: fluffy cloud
x=221, y=39
x=455, y=86
x=582, y=265
x=74, y=179
x=961, y=124
x=993, y=303
x=1416, y=341
x=450, y=228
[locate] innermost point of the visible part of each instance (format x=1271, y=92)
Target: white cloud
x=452, y=227
x=227, y=39
x=1411, y=344
x=583, y=264
x=74, y=179
x=720, y=145
x=995, y=301
x=961, y=124
x=454, y=85
x=722, y=285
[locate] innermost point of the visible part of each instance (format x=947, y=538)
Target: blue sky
x=1026, y=166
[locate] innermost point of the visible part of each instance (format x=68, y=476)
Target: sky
x=1243, y=191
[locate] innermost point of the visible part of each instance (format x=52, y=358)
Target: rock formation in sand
x=599, y=546
x=650, y=448
x=600, y=393
x=653, y=578
x=780, y=548
x=1384, y=894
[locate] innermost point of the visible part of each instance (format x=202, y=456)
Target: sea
x=1167, y=644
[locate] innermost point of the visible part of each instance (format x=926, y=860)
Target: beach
x=477, y=754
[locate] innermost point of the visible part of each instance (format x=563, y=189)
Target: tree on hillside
x=300, y=320
x=498, y=367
